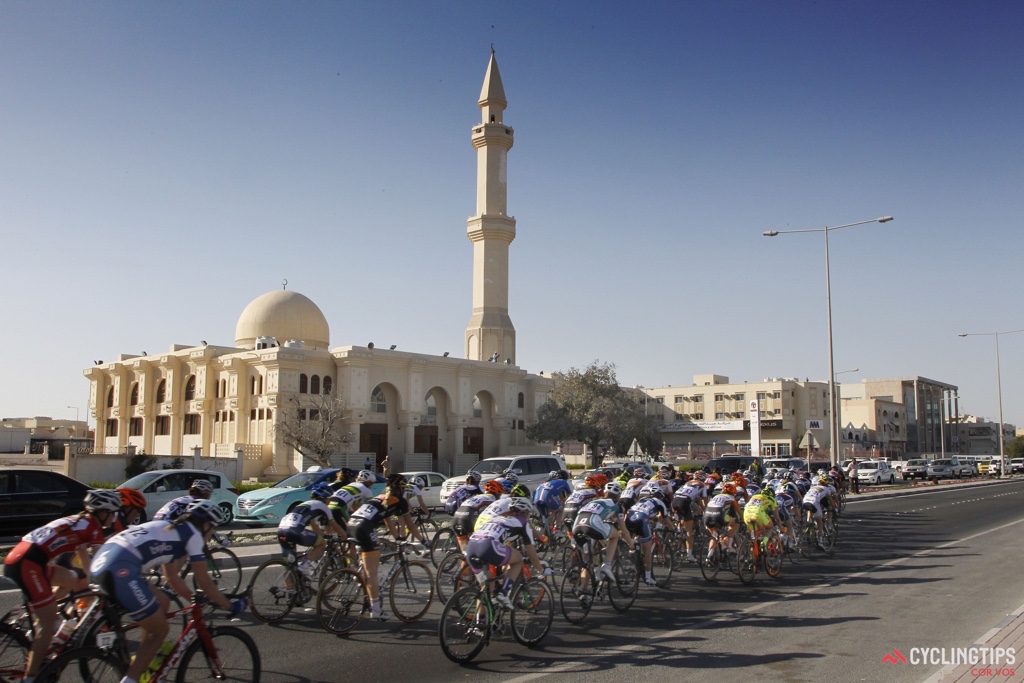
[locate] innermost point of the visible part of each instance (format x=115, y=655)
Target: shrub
x=139, y=463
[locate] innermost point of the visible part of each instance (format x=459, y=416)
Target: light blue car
x=266, y=507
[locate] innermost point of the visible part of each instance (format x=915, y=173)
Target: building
x=231, y=400
x=972, y=435
x=927, y=403
x=42, y=435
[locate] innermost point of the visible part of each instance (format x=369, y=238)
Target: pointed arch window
x=190, y=388
x=478, y=409
x=328, y=385
x=110, y=398
x=223, y=388
x=522, y=400
x=314, y=384
x=134, y=399
x=431, y=404
x=378, y=402
x=303, y=384
x=161, y=391
x=261, y=385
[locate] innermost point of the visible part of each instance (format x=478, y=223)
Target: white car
x=432, y=491
x=162, y=486
x=875, y=472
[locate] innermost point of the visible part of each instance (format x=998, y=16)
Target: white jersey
x=816, y=494
x=156, y=543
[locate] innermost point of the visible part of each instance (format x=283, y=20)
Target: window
x=314, y=414
x=260, y=384
x=478, y=410
x=110, y=397
x=161, y=391
x=678, y=399
x=162, y=426
x=719, y=416
x=223, y=388
x=698, y=416
x=660, y=400
x=777, y=394
x=314, y=384
x=303, y=384
x=34, y=481
x=698, y=399
x=135, y=426
x=252, y=414
x=252, y=386
x=134, y=399
x=111, y=428
x=302, y=413
x=431, y=404
x=762, y=396
x=193, y=423
x=328, y=385
x=378, y=403
x=740, y=397
x=522, y=400
x=190, y=388
x=719, y=397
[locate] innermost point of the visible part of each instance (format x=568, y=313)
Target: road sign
x=815, y=424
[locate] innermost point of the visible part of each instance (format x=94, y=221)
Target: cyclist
x=591, y=485
x=120, y=563
x=413, y=489
x=632, y=487
x=464, y=519
x=761, y=512
x=510, y=479
x=602, y=520
x=200, y=489
x=312, y=513
x=31, y=564
x=379, y=510
x=640, y=523
x=489, y=546
x=687, y=502
x=133, y=504
x=550, y=495
x=463, y=493
x=722, y=512
x=817, y=502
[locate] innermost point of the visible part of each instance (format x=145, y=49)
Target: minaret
x=490, y=334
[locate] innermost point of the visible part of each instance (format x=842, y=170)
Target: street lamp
x=833, y=431
x=999, y=389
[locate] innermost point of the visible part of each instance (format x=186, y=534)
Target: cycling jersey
x=758, y=510
x=459, y=496
x=371, y=515
x=638, y=519
x=495, y=509
x=28, y=563
x=596, y=519
x=686, y=497
x=120, y=562
x=489, y=544
x=720, y=510
x=548, y=495
x=573, y=504
x=464, y=519
x=816, y=500
x=174, y=509
x=304, y=513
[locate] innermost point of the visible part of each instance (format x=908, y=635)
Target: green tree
x=590, y=406
x=1015, y=448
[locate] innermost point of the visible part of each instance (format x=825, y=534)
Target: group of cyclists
x=493, y=523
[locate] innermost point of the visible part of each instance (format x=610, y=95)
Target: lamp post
x=833, y=430
x=76, y=411
x=999, y=389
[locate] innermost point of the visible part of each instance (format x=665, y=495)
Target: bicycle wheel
x=577, y=593
x=444, y=542
x=452, y=574
x=341, y=602
x=465, y=625
x=14, y=645
x=807, y=540
x=623, y=591
x=411, y=591
x=662, y=560
x=534, y=611
x=225, y=569
x=746, y=566
x=274, y=589
x=830, y=536
x=710, y=562
x=83, y=665
x=773, y=552
x=235, y=657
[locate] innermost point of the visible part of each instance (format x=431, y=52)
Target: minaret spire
x=490, y=334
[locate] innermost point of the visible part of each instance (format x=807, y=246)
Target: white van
x=531, y=470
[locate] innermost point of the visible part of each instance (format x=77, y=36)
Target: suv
x=785, y=463
x=875, y=472
x=730, y=462
x=531, y=469
x=618, y=467
x=949, y=468
x=915, y=469
x=1017, y=466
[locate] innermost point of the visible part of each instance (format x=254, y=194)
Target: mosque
x=228, y=401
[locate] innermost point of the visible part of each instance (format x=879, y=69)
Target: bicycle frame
x=196, y=628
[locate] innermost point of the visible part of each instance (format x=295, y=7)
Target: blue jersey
x=156, y=543
x=549, y=494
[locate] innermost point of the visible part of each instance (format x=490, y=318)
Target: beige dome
x=283, y=315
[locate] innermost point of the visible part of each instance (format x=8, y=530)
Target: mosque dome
x=283, y=315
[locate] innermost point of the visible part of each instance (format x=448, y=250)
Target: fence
x=105, y=467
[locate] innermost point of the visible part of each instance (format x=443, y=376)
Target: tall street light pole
x=833, y=429
x=999, y=389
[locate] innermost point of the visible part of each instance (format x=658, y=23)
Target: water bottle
x=64, y=632
x=149, y=674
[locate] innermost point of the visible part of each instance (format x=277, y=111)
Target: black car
x=31, y=498
x=730, y=462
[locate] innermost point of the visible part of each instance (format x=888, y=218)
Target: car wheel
x=229, y=512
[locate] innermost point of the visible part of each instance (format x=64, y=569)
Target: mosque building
x=229, y=400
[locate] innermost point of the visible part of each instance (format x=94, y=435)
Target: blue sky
x=166, y=163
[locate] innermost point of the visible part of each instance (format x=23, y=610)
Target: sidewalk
x=1009, y=633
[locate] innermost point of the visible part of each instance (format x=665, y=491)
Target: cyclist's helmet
x=207, y=511
x=768, y=493
x=613, y=488
x=563, y=475
x=665, y=471
x=321, y=491
x=702, y=475
x=418, y=482
x=365, y=477
x=824, y=480
x=202, y=485
x=592, y=481
x=554, y=474
x=132, y=498
x=473, y=476
x=494, y=486
x=650, y=491
x=729, y=488
x=519, y=491
x=511, y=476
x=102, y=499
x=639, y=472
x=521, y=506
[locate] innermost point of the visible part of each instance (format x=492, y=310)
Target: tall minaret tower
x=491, y=230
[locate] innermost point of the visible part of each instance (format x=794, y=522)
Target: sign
x=704, y=426
x=765, y=424
x=755, y=427
x=815, y=424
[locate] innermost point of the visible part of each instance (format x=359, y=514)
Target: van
x=730, y=462
x=785, y=463
x=531, y=470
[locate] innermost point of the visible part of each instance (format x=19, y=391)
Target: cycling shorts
x=365, y=535
x=31, y=570
x=639, y=525
x=815, y=509
x=683, y=508
x=716, y=518
x=481, y=552
x=288, y=540
x=591, y=526
x=119, y=576
x=756, y=516
x=464, y=522
x=569, y=513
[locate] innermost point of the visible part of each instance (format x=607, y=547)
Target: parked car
x=266, y=507
x=432, y=491
x=31, y=498
x=162, y=486
x=785, y=463
x=531, y=470
x=948, y=468
x=915, y=469
x=875, y=472
x=617, y=468
x=730, y=462
x=1017, y=466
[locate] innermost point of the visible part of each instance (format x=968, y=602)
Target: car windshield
x=298, y=481
x=917, y=463
x=940, y=463
x=492, y=466
x=143, y=480
x=868, y=466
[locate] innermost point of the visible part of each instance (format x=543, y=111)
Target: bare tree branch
x=313, y=425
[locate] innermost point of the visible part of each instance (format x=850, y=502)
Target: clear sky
x=165, y=163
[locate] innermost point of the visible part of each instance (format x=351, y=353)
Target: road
x=929, y=568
